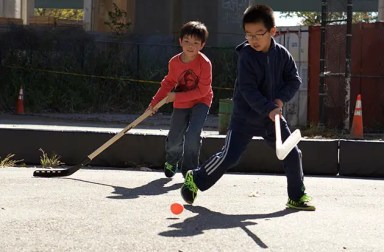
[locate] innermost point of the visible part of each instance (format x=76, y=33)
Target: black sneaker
x=169, y=170
x=301, y=204
x=189, y=188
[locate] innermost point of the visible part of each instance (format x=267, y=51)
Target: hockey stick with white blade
x=73, y=169
x=283, y=149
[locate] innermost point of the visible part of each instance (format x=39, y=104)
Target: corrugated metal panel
x=295, y=39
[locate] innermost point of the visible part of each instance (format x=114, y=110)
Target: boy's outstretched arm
x=167, y=84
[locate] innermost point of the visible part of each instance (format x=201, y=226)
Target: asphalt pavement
x=110, y=209
x=129, y=210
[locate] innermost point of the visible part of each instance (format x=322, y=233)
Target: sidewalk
x=158, y=121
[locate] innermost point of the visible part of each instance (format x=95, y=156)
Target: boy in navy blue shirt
x=267, y=77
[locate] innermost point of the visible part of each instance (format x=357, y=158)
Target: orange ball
x=177, y=208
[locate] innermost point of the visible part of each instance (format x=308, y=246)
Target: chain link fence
x=367, y=74
x=65, y=69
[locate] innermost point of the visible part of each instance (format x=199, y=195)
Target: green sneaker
x=302, y=204
x=305, y=198
x=169, y=170
x=189, y=188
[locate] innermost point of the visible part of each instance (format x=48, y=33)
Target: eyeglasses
x=256, y=36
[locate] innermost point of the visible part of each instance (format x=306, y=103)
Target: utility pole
x=348, y=49
x=380, y=16
x=88, y=14
x=322, y=87
x=27, y=9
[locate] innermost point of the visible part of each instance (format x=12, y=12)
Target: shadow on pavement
x=207, y=219
x=156, y=187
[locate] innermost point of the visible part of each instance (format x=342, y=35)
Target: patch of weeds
x=8, y=161
x=52, y=161
x=318, y=132
x=117, y=20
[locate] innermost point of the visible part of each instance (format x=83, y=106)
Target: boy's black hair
x=194, y=29
x=259, y=13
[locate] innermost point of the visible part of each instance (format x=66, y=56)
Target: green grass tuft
x=52, y=161
x=8, y=161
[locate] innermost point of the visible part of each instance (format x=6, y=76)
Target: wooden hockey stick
x=90, y=157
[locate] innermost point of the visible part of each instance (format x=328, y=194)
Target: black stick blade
x=49, y=173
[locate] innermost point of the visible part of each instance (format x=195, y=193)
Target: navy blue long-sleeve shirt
x=262, y=78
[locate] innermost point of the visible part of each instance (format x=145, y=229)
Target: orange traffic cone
x=357, y=123
x=20, y=102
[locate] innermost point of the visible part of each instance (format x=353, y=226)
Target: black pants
x=236, y=142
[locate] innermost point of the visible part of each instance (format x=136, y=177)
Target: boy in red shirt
x=188, y=85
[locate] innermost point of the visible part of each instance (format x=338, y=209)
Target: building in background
x=161, y=19
x=16, y=10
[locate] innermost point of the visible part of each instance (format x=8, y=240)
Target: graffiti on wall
x=233, y=10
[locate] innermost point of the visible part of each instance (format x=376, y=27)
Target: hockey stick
x=73, y=169
x=283, y=149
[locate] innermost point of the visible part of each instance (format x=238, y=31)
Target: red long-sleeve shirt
x=192, y=81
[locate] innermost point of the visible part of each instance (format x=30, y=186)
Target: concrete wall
x=155, y=18
x=320, y=157
x=329, y=157
x=96, y=13
x=204, y=11
x=361, y=158
x=229, y=22
x=222, y=17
